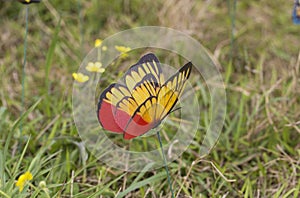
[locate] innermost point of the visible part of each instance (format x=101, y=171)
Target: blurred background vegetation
x=257, y=46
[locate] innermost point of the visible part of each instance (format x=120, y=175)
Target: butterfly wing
x=142, y=119
x=148, y=64
x=171, y=91
x=107, y=107
x=154, y=109
x=118, y=102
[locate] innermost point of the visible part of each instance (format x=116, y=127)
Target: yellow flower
x=104, y=48
x=122, y=49
x=28, y=1
x=124, y=55
x=95, y=67
x=23, y=179
x=79, y=77
x=98, y=42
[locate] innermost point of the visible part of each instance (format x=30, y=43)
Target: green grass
x=259, y=145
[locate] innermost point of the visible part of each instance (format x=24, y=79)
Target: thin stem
x=4, y=194
x=232, y=13
x=23, y=68
x=79, y=6
x=165, y=163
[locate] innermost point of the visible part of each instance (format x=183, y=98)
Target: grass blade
x=140, y=184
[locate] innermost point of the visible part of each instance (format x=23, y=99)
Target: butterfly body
x=143, y=100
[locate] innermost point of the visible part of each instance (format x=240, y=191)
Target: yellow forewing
x=155, y=107
x=167, y=98
x=116, y=93
x=147, y=65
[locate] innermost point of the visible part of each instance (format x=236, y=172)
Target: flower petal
x=122, y=49
x=79, y=77
x=23, y=179
x=98, y=42
x=104, y=48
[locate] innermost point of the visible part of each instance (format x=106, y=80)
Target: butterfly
x=296, y=12
x=143, y=100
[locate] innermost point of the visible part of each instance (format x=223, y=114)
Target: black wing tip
x=149, y=57
x=188, y=66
